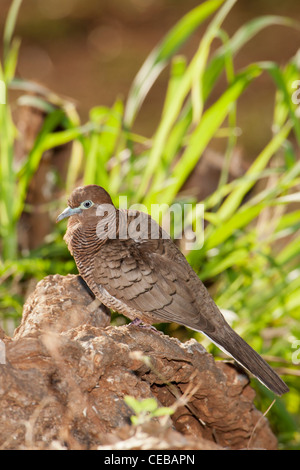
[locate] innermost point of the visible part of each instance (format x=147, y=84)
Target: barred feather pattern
x=150, y=279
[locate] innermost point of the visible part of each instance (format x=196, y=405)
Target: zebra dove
x=134, y=268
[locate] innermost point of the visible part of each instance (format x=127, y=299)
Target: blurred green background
x=162, y=101
x=91, y=51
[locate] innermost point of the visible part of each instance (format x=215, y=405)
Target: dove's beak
x=68, y=212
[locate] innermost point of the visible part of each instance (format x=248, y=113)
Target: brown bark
x=67, y=372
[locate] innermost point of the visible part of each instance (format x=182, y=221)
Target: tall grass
x=251, y=251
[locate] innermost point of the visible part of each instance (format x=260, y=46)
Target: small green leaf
x=133, y=403
x=163, y=411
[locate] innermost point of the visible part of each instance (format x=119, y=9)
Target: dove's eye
x=87, y=204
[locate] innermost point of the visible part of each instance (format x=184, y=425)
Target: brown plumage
x=145, y=276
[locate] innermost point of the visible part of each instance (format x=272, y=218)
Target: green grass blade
x=10, y=25
x=202, y=54
x=174, y=109
x=35, y=102
x=32, y=162
x=234, y=200
x=7, y=183
x=235, y=44
x=75, y=166
x=103, y=143
x=159, y=57
x=285, y=91
x=178, y=68
x=239, y=220
x=11, y=59
x=210, y=122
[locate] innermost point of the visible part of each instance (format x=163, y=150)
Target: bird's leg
x=141, y=324
x=136, y=322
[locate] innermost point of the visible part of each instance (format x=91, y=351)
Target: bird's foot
x=136, y=322
x=141, y=324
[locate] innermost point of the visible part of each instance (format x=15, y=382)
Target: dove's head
x=85, y=203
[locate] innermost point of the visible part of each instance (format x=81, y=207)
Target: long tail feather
x=232, y=344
